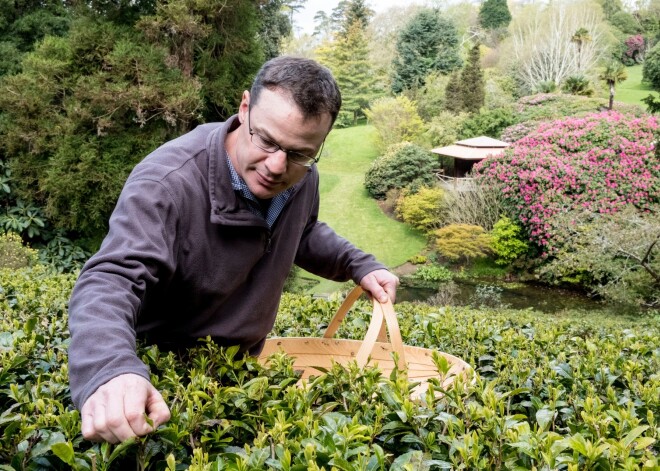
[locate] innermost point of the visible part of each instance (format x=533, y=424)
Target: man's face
x=277, y=120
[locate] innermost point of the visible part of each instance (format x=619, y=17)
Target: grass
x=632, y=90
x=350, y=211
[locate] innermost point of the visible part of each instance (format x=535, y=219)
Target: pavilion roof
x=476, y=148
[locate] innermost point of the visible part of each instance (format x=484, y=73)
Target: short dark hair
x=311, y=85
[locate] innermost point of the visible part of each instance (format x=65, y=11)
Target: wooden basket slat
x=311, y=352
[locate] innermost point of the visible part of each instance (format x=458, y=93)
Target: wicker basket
x=310, y=353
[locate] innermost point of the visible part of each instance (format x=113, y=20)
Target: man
x=202, y=238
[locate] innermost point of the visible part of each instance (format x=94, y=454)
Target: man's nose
x=276, y=162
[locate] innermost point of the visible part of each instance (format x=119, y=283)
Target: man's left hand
x=381, y=284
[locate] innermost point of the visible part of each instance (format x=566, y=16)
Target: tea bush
x=561, y=392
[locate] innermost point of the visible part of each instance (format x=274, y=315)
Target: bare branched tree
x=544, y=44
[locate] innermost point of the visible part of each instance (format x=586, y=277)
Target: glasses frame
x=276, y=147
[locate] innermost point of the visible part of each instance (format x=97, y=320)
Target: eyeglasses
x=291, y=155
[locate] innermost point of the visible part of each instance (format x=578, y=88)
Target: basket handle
x=376, y=331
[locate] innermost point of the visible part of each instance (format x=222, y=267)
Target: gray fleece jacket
x=185, y=258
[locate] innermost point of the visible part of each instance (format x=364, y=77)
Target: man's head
x=284, y=122
x=310, y=85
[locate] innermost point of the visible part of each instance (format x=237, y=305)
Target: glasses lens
x=300, y=159
x=264, y=144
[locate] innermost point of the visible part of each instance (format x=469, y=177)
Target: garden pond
x=507, y=295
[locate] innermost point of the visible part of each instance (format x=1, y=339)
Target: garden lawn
x=348, y=209
x=632, y=90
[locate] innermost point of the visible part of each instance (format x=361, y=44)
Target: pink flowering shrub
x=634, y=48
x=600, y=163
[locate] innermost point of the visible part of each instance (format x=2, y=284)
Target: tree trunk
x=611, y=95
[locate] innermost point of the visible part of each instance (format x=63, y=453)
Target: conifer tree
x=472, y=90
x=453, y=99
x=348, y=59
x=494, y=14
x=429, y=42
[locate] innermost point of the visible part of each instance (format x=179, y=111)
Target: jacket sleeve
x=323, y=252
x=106, y=300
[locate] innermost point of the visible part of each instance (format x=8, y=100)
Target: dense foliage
x=550, y=392
x=494, y=14
x=404, y=165
x=462, y=242
x=396, y=120
x=651, y=69
x=421, y=210
x=428, y=43
x=92, y=87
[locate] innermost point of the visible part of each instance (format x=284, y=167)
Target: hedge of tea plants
x=565, y=392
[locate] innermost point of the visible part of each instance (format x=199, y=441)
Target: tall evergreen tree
x=494, y=14
x=472, y=89
x=356, y=11
x=453, y=98
x=275, y=25
x=429, y=42
x=348, y=59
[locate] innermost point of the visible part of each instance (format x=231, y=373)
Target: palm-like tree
x=580, y=37
x=614, y=73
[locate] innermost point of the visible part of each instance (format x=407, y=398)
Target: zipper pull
x=268, y=239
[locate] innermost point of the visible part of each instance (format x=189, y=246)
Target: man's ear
x=244, y=107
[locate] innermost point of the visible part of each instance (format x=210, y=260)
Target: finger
x=116, y=422
x=87, y=427
x=101, y=430
x=376, y=290
x=157, y=409
x=135, y=405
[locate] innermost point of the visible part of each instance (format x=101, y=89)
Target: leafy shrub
x=634, y=52
x=578, y=85
x=62, y=254
x=518, y=131
x=396, y=120
x=545, y=388
x=430, y=97
x=417, y=259
x=616, y=255
x=548, y=86
x=508, y=241
x=433, y=273
x=488, y=123
x=601, y=163
x=651, y=68
x=13, y=254
x=462, y=242
x=404, y=165
x=444, y=129
x=421, y=210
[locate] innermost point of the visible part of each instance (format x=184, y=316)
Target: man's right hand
x=116, y=411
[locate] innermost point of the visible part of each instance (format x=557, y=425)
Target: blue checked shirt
x=276, y=204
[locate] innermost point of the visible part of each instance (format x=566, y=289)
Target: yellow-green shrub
x=422, y=210
x=462, y=241
x=13, y=254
